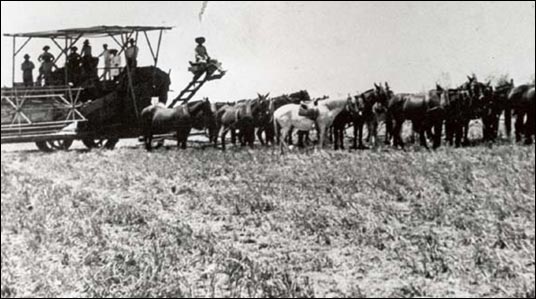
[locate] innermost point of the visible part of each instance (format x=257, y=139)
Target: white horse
x=307, y=116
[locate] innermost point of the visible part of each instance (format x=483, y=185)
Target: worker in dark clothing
x=74, y=63
x=27, y=68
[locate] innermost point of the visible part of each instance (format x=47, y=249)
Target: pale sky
x=328, y=48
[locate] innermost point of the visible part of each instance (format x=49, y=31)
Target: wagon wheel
x=156, y=144
x=61, y=145
x=50, y=146
x=43, y=146
x=100, y=143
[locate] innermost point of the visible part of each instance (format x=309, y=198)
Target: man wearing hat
x=86, y=49
x=131, y=54
x=74, y=61
x=201, y=54
x=27, y=68
x=202, y=57
x=106, y=56
x=47, y=63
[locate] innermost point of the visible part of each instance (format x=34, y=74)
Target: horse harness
x=185, y=111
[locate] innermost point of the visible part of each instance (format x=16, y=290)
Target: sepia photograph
x=268, y=149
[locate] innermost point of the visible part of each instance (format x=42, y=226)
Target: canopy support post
x=13, y=61
x=158, y=48
x=66, y=60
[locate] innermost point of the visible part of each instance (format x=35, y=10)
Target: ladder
x=191, y=89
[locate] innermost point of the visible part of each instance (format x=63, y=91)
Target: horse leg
x=466, y=124
x=496, y=122
x=259, y=135
x=290, y=132
x=360, y=131
x=361, y=144
x=322, y=136
x=388, y=129
x=233, y=136
x=284, y=132
x=251, y=136
x=449, y=128
x=485, y=128
x=422, y=136
x=438, y=134
x=185, y=137
x=508, y=120
x=179, y=138
x=301, y=137
x=269, y=134
x=341, y=136
x=374, y=132
x=148, y=141
x=336, y=141
x=529, y=128
x=223, y=134
x=398, y=133
x=355, y=127
x=412, y=136
x=520, y=124
x=370, y=136
x=458, y=132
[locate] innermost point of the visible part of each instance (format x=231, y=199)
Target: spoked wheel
x=158, y=143
x=100, y=143
x=43, y=146
x=61, y=145
x=50, y=146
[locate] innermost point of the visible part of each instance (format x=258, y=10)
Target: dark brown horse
x=368, y=105
x=479, y=105
x=496, y=104
x=359, y=113
x=352, y=114
x=425, y=111
x=521, y=101
x=241, y=117
x=456, y=107
x=214, y=125
x=157, y=119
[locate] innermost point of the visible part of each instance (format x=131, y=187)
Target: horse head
x=309, y=109
x=352, y=106
x=263, y=109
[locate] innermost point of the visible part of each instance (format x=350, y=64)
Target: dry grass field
x=202, y=223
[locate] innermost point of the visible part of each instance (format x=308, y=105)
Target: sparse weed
x=126, y=223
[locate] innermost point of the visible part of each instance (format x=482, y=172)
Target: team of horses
x=437, y=115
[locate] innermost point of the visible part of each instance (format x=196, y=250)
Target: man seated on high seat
x=203, y=62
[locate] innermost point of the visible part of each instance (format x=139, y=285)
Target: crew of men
x=82, y=66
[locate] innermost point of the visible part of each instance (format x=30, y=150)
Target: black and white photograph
x=268, y=149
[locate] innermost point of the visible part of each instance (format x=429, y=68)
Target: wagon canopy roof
x=97, y=31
